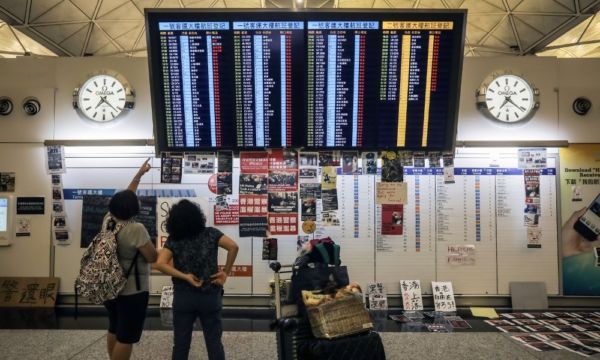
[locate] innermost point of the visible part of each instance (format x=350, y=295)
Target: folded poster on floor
x=459, y=324
x=527, y=322
x=551, y=336
x=576, y=347
x=542, y=346
x=525, y=339
x=499, y=322
x=594, y=344
x=512, y=329
x=541, y=328
x=517, y=316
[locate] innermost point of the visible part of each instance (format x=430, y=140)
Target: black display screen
x=319, y=79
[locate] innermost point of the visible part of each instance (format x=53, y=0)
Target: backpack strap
x=119, y=225
x=137, y=274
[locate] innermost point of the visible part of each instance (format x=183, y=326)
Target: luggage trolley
x=295, y=340
x=292, y=331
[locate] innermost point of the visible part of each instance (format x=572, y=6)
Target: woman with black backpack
x=127, y=312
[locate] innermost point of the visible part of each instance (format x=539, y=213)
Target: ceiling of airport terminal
x=562, y=28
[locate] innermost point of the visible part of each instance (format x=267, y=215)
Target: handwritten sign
x=443, y=296
x=391, y=193
x=28, y=291
x=376, y=296
x=166, y=297
x=461, y=254
x=411, y=295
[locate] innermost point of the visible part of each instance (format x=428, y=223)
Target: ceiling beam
x=88, y=36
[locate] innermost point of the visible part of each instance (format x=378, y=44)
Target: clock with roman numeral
x=103, y=97
x=507, y=98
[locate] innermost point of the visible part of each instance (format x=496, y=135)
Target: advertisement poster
x=391, y=167
x=580, y=172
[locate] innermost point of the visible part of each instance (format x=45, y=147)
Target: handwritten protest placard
x=443, y=296
x=28, y=291
x=411, y=295
x=391, y=193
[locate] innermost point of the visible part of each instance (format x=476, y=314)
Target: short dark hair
x=185, y=220
x=124, y=205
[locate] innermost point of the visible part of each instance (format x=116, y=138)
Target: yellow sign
x=418, y=25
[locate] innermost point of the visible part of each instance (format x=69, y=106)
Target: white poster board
x=411, y=295
x=443, y=296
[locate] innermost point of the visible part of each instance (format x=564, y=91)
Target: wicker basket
x=340, y=317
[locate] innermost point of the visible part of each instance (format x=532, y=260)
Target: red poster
x=283, y=224
x=226, y=216
x=253, y=205
x=254, y=162
x=392, y=217
x=283, y=160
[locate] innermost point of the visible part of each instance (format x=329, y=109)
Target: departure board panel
x=194, y=66
x=341, y=70
x=415, y=84
x=384, y=81
x=268, y=70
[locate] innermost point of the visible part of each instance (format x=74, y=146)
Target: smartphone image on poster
x=588, y=225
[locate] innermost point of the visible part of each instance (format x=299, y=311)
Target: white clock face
x=509, y=98
x=101, y=98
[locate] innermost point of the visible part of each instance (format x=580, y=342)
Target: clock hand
x=99, y=102
x=109, y=104
x=506, y=98
x=510, y=101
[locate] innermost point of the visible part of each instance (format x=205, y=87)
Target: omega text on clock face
x=509, y=98
x=102, y=98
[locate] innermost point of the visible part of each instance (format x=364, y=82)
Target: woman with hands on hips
x=197, y=281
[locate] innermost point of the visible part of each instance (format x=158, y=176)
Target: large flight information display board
x=317, y=79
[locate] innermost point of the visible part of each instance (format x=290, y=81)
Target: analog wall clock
x=103, y=97
x=507, y=98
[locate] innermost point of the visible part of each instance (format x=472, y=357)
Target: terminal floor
x=30, y=334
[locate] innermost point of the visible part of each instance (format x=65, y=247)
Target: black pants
x=126, y=315
x=187, y=307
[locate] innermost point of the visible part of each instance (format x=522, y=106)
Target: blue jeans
x=189, y=305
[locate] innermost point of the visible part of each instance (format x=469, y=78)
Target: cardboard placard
x=394, y=193
x=28, y=291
